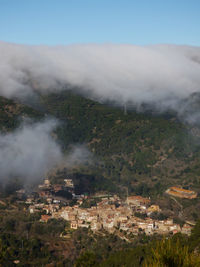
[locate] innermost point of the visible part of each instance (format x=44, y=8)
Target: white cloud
x=29, y=151
x=110, y=71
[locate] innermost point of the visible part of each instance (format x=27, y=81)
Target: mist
x=161, y=75
x=30, y=152
x=166, y=77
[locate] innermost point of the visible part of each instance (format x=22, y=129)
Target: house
x=134, y=230
x=57, y=188
x=91, y=218
x=32, y=209
x=84, y=225
x=95, y=226
x=29, y=201
x=74, y=225
x=69, y=183
x=56, y=201
x=153, y=208
x=44, y=193
x=46, y=182
x=49, y=200
x=186, y=229
x=45, y=218
x=20, y=193
x=174, y=227
x=83, y=214
x=71, y=216
x=79, y=202
x=108, y=224
x=124, y=226
x=137, y=200
x=122, y=219
x=148, y=231
x=65, y=215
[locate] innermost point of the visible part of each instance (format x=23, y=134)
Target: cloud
x=78, y=155
x=162, y=75
x=30, y=152
x=165, y=76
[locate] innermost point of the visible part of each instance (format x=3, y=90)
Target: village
x=131, y=216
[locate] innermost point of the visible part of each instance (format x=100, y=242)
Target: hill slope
x=135, y=147
x=146, y=152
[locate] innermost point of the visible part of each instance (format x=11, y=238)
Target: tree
x=170, y=253
x=86, y=259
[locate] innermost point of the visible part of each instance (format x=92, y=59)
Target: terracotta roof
x=137, y=198
x=181, y=190
x=181, y=194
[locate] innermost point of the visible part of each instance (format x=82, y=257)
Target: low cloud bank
x=162, y=75
x=165, y=76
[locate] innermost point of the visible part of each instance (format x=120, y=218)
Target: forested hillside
x=132, y=152
x=139, y=150
x=12, y=113
x=145, y=151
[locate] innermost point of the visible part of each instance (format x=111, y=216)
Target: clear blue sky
x=100, y=21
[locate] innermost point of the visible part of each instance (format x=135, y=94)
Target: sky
x=60, y=22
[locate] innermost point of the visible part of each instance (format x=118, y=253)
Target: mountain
x=145, y=152
x=132, y=152
x=12, y=112
x=156, y=150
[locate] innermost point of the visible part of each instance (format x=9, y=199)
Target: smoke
x=162, y=75
x=30, y=152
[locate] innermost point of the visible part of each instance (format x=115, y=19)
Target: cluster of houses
x=46, y=189
x=111, y=214
x=111, y=218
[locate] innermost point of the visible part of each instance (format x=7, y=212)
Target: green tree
x=170, y=253
x=86, y=259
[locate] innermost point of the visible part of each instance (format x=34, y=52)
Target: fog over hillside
x=31, y=151
x=164, y=76
x=158, y=74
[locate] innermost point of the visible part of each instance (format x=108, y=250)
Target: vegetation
x=25, y=239
x=13, y=113
x=146, y=152
x=135, y=149
x=170, y=253
x=134, y=153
